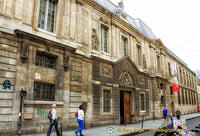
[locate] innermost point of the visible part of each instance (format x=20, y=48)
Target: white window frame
x=140, y=100
x=103, y=39
x=46, y=17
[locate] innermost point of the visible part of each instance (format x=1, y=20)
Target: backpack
x=50, y=115
x=76, y=115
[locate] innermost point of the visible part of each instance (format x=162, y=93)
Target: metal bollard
x=142, y=121
x=61, y=129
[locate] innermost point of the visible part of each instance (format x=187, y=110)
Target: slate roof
x=135, y=23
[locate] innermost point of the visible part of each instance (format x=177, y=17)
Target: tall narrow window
x=47, y=15
x=186, y=96
x=104, y=38
x=106, y=100
x=189, y=97
x=183, y=98
x=158, y=64
x=142, y=102
x=192, y=98
x=171, y=90
x=179, y=98
x=124, y=46
x=169, y=69
x=181, y=79
x=139, y=55
x=162, y=100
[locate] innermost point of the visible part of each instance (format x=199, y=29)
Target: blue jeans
x=81, y=126
x=55, y=123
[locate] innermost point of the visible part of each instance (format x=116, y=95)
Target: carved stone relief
x=125, y=79
x=141, y=79
x=95, y=42
x=106, y=70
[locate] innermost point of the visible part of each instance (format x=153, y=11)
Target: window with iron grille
x=106, y=100
x=142, y=102
x=45, y=60
x=44, y=91
x=47, y=15
x=104, y=38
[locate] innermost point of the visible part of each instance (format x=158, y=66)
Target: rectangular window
x=171, y=90
x=161, y=86
x=189, y=97
x=162, y=100
x=106, y=100
x=124, y=47
x=183, y=98
x=186, y=97
x=142, y=102
x=104, y=38
x=179, y=98
x=169, y=69
x=45, y=60
x=139, y=55
x=158, y=64
x=44, y=91
x=181, y=79
x=46, y=15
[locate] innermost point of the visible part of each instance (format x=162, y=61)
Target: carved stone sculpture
x=94, y=40
x=24, y=51
x=144, y=62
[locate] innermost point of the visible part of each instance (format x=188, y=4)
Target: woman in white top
x=80, y=121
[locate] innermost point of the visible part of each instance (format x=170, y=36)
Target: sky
x=175, y=22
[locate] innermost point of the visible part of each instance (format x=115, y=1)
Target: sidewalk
x=120, y=129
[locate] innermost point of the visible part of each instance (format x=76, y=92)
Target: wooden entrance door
x=126, y=107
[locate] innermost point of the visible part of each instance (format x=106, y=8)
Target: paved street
x=121, y=129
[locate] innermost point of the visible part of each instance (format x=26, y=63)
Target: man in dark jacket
x=165, y=113
x=178, y=114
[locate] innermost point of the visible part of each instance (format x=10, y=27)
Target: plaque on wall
x=6, y=85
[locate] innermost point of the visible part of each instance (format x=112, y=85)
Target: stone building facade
x=72, y=52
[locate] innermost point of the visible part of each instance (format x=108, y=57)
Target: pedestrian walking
x=53, y=121
x=165, y=113
x=80, y=121
x=178, y=114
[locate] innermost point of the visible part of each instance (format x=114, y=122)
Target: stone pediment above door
x=126, y=73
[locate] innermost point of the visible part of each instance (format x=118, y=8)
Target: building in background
x=72, y=52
